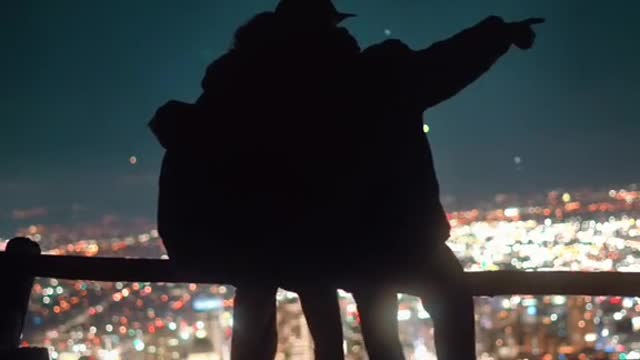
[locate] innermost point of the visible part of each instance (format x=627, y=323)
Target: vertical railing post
x=14, y=300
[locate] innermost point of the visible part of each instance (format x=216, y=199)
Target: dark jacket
x=207, y=208
x=257, y=159
x=398, y=85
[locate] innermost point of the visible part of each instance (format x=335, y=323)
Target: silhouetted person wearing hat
x=248, y=180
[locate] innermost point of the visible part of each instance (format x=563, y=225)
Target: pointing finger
x=533, y=21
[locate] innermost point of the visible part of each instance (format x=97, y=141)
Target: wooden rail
x=157, y=270
x=22, y=262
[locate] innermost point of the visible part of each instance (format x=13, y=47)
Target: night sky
x=81, y=79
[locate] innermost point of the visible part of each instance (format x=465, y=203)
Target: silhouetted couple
x=303, y=165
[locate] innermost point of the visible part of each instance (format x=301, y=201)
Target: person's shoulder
x=171, y=121
x=221, y=67
x=389, y=54
x=391, y=47
x=223, y=62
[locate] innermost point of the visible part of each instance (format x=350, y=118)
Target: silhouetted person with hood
x=405, y=224
x=248, y=183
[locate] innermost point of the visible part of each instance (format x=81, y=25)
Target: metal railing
x=22, y=262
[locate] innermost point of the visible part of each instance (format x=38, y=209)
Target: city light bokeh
x=576, y=231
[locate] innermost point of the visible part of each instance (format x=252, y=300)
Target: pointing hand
x=522, y=34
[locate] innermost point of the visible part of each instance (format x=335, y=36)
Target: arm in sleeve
x=445, y=68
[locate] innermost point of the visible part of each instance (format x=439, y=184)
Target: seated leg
x=378, y=308
x=322, y=311
x=450, y=305
x=255, y=334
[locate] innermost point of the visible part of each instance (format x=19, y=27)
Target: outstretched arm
x=448, y=66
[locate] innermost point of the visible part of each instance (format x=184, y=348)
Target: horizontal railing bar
x=107, y=269
x=554, y=282
x=157, y=270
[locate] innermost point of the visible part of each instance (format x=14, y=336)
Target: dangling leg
x=450, y=305
x=322, y=311
x=378, y=308
x=255, y=334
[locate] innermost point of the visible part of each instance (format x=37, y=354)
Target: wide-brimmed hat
x=310, y=9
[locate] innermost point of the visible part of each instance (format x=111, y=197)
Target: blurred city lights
x=570, y=230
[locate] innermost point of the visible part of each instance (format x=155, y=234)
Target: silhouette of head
x=310, y=13
x=267, y=31
x=258, y=31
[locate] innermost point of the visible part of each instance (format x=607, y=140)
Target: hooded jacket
x=397, y=85
x=256, y=156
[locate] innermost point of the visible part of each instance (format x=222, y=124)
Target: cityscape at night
x=534, y=154
x=560, y=230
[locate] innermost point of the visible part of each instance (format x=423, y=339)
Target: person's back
x=406, y=228
x=404, y=186
x=294, y=166
x=291, y=168
x=261, y=170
